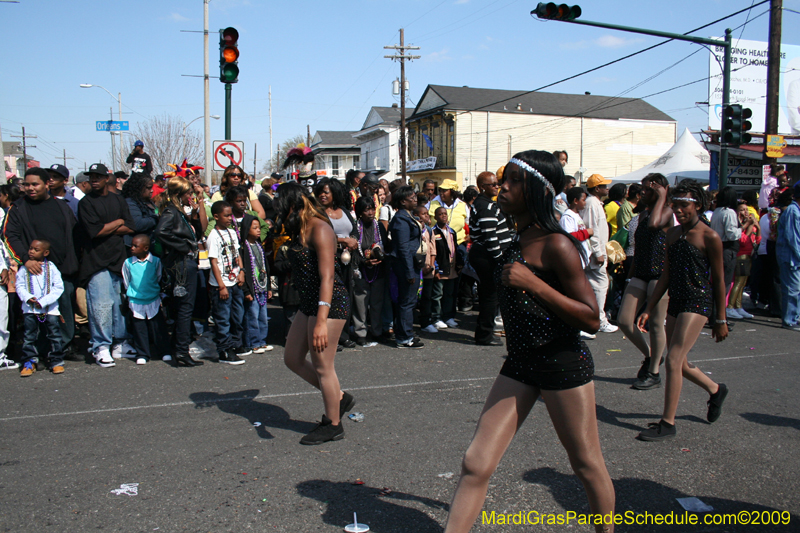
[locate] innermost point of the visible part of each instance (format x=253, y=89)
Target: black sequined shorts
x=699, y=307
x=562, y=364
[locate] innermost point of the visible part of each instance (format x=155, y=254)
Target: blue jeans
x=256, y=324
x=790, y=292
x=228, y=318
x=52, y=327
x=443, y=303
x=104, y=310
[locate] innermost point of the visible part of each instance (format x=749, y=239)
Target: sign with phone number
x=745, y=172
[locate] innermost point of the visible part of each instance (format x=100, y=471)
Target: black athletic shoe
x=347, y=344
x=346, y=403
x=642, y=374
x=658, y=431
x=490, y=342
x=650, y=381
x=715, y=403
x=324, y=432
x=230, y=358
x=414, y=344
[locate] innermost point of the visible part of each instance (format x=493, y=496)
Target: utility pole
x=270, y=122
x=402, y=58
x=65, y=157
x=25, y=148
x=113, y=146
x=255, y=153
x=308, y=135
x=209, y=166
x=773, y=70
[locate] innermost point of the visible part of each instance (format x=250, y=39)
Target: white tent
x=686, y=159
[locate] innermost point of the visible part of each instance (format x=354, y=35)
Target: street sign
x=228, y=153
x=745, y=173
x=112, y=125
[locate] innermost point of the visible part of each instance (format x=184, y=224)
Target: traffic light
x=228, y=55
x=553, y=11
x=735, y=125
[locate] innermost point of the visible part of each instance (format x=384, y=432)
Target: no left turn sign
x=228, y=153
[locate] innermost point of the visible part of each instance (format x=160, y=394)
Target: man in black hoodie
x=37, y=215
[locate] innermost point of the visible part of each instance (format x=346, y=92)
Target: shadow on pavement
x=640, y=496
x=772, y=420
x=244, y=404
x=373, y=505
x=609, y=416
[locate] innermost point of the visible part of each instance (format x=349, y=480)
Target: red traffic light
x=553, y=11
x=230, y=36
x=230, y=54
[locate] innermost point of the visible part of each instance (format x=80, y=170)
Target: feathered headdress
x=300, y=155
x=182, y=170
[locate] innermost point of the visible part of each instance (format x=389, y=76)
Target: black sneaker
x=658, y=431
x=642, y=374
x=414, y=344
x=324, y=432
x=347, y=344
x=230, y=358
x=242, y=351
x=650, y=381
x=346, y=403
x=715, y=403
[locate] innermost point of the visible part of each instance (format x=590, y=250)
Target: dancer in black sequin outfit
x=546, y=301
x=693, y=273
x=324, y=305
x=648, y=263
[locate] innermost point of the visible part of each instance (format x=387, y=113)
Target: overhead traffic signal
x=228, y=55
x=553, y=11
x=735, y=125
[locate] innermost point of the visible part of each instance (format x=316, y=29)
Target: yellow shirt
x=611, y=209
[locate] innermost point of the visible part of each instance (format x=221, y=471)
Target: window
x=452, y=139
x=335, y=165
x=357, y=161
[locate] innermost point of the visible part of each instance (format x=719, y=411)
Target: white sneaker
x=743, y=313
x=167, y=358
x=123, y=349
x=732, y=313
x=585, y=335
x=452, y=323
x=7, y=364
x=268, y=348
x=103, y=358
x=439, y=325
x=608, y=328
x=430, y=328
x=141, y=361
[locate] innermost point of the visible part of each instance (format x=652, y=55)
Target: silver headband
x=536, y=173
x=683, y=199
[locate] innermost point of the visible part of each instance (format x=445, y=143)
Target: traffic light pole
x=228, y=88
x=726, y=70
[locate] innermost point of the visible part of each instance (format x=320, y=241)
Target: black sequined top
x=651, y=248
x=528, y=321
x=689, y=280
x=305, y=278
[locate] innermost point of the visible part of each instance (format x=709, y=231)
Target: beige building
x=470, y=130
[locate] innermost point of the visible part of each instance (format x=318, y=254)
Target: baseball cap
x=60, y=170
x=449, y=184
x=370, y=179
x=138, y=143
x=97, y=168
x=82, y=177
x=595, y=180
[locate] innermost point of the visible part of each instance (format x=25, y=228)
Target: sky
x=324, y=61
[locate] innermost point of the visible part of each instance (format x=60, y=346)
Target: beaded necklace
x=376, y=239
x=229, y=252
x=41, y=317
x=260, y=279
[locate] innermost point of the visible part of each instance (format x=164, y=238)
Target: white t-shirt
x=386, y=213
x=223, y=245
x=764, y=224
x=572, y=222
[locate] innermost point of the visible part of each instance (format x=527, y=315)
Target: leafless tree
x=274, y=164
x=163, y=138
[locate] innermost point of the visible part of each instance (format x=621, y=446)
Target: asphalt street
x=216, y=448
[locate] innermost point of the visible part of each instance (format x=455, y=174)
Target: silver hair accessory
x=536, y=173
x=684, y=199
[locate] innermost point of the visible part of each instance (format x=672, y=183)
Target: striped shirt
x=488, y=226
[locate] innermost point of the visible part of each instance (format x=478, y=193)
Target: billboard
x=749, y=84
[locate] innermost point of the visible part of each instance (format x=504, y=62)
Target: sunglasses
x=234, y=175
